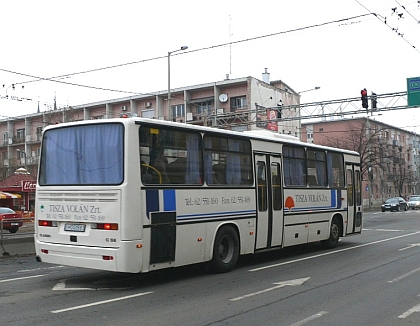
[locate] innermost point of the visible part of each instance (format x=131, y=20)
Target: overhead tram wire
x=393, y=29
x=56, y=78
x=418, y=21
x=53, y=79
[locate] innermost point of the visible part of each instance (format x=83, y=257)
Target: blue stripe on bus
x=169, y=200
x=152, y=201
x=339, y=201
x=333, y=198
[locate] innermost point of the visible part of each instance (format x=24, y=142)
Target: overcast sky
x=296, y=41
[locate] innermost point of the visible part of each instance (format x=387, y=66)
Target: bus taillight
x=105, y=226
x=47, y=223
x=107, y=257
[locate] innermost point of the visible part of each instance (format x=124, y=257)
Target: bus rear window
x=83, y=155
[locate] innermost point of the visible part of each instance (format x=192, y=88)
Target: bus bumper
x=127, y=258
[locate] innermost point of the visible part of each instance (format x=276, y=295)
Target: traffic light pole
x=370, y=172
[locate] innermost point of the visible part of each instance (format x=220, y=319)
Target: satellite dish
x=223, y=98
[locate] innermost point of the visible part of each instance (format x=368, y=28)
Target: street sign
x=413, y=91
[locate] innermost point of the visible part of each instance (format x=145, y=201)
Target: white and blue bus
x=136, y=195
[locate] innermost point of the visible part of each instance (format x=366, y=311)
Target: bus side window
x=312, y=180
x=146, y=177
x=219, y=174
x=176, y=170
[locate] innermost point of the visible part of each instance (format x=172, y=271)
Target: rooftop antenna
x=230, y=47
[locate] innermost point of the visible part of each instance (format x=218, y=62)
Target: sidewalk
x=17, y=246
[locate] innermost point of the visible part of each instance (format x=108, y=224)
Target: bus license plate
x=75, y=227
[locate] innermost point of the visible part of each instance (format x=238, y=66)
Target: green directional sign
x=413, y=91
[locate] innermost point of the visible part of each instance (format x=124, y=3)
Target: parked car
x=414, y=202
x=394, y=204
x=8, y=215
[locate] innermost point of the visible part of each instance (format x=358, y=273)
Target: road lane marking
x=39, y=269
x=388, y=230
x=404, y=276
x=313, y=317
x=20, y=278
x=410, y=311
x=383, y=230
x=331, y=252
x=410, y=246
x=100, y=302
x=61, y=286
x=279, y=285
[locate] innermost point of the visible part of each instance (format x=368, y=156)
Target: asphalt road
x=369, y=279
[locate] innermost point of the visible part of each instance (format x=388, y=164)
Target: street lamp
x=169, y=78
x=312, y=89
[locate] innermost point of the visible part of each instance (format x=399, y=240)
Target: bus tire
x=332, y=241
x=225, y=250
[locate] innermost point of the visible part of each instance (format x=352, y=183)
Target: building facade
x=237, y=104
x=389, y=155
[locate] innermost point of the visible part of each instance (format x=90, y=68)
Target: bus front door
x=354, y=199
x=269, y=201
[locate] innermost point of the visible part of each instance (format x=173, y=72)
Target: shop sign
x=28, y=186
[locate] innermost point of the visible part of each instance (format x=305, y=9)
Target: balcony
x=18, y=140
x=382, y=141
x=33, y=160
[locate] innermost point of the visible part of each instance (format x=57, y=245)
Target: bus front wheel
x=225, y=250
x=332, y=241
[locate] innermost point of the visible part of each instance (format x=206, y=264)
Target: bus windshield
x=83, y=155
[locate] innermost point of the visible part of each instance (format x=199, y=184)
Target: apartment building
x=389, y=155
x=237, y=104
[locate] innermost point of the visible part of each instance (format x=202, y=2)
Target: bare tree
x=362, y=139
x=376, y=155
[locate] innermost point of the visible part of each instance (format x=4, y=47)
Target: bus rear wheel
x=332, y=241
x=225, y=250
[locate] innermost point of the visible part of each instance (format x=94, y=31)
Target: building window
x=20, y=135
x=178, y=110
x=5, y=138
x=148, y=114
x=238, y=103
x=38, y=133
x=204, y=107
x=321, y=129
x=20, y=154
